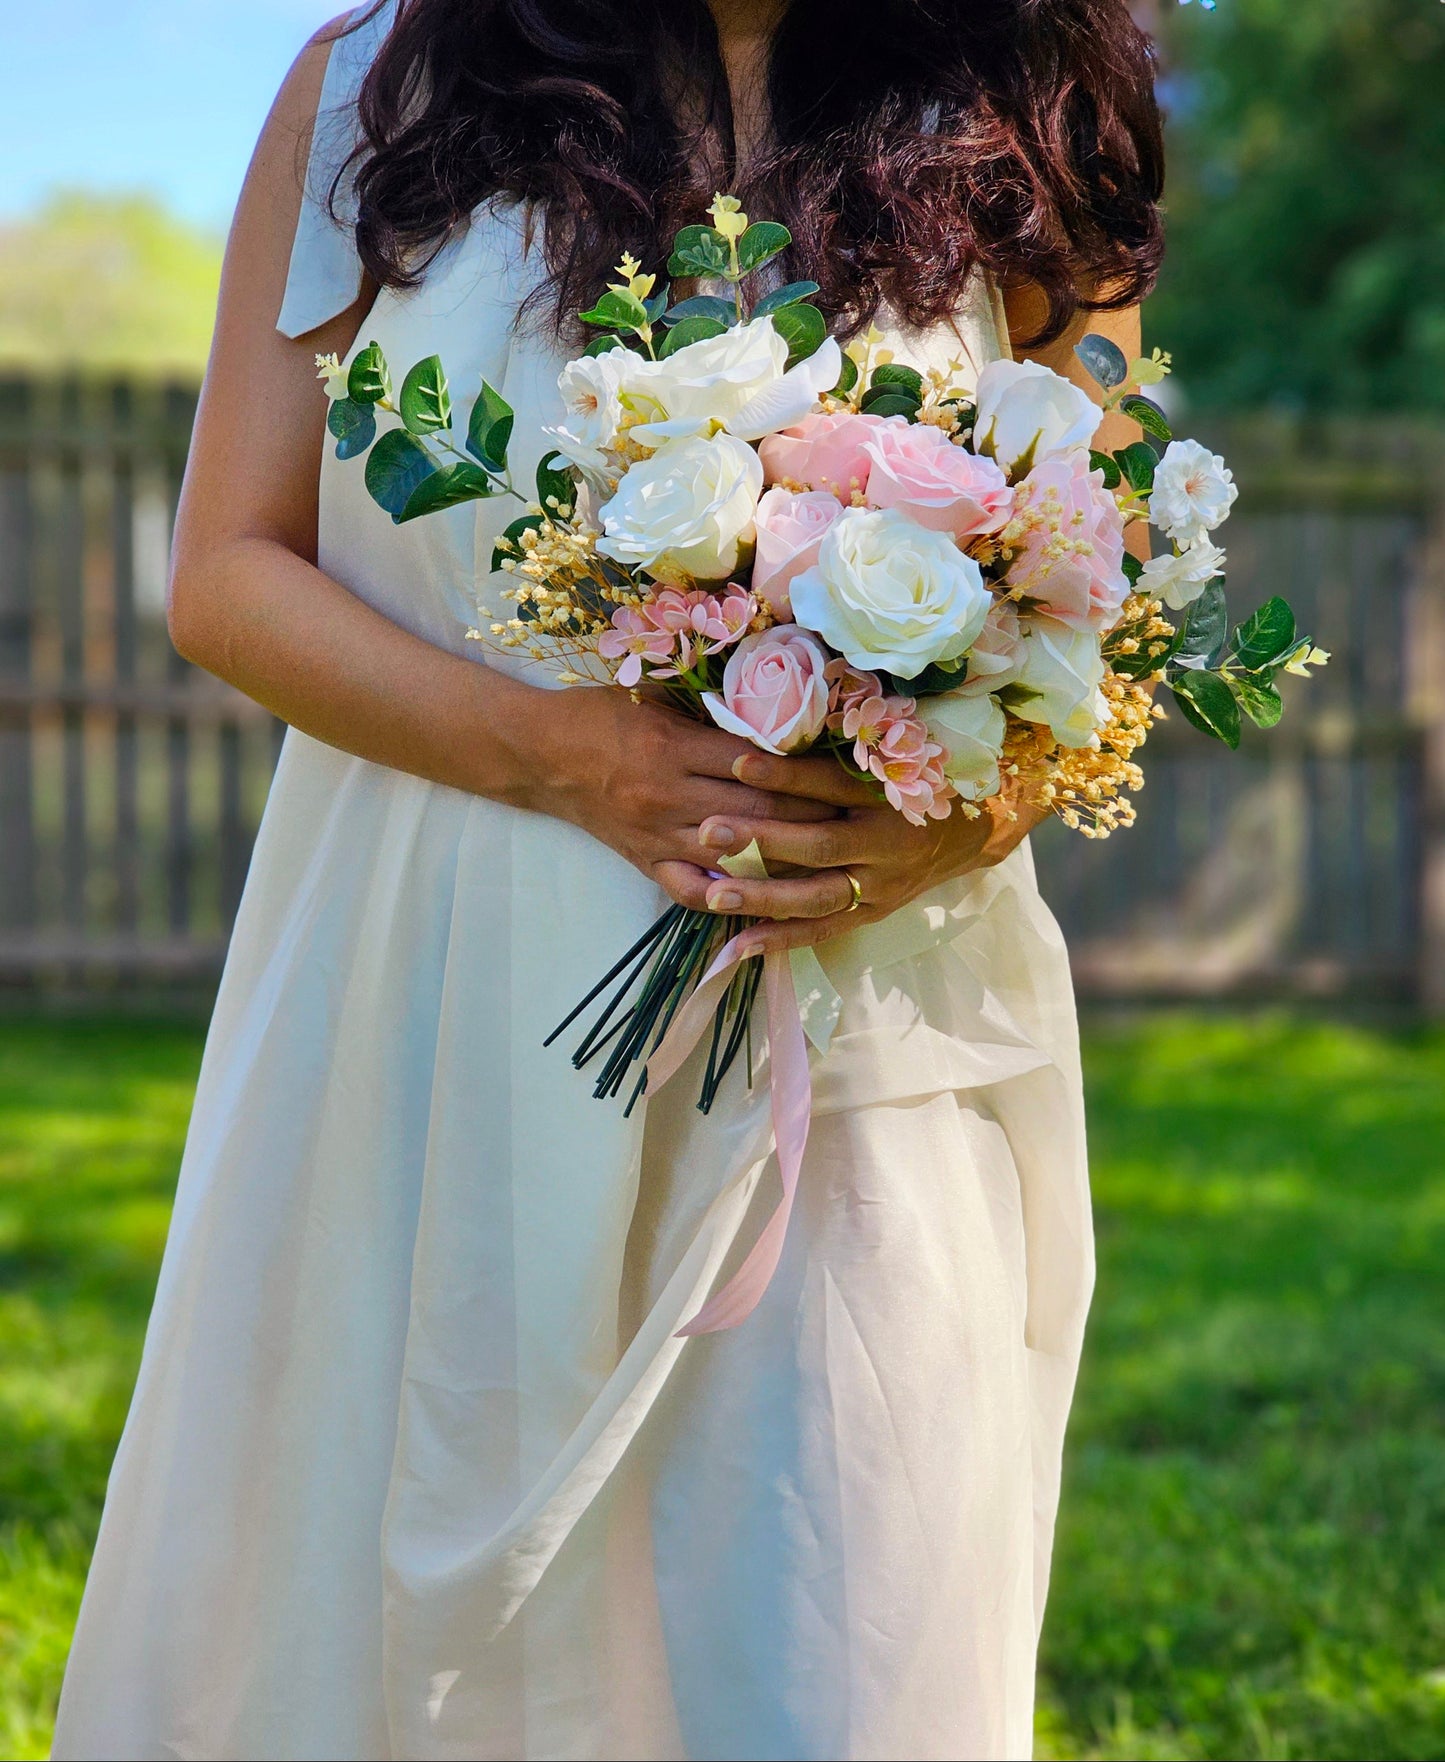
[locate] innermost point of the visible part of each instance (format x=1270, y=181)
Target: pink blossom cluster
x=672, y=632
x=890, y=742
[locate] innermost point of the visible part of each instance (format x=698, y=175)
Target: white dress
x=417, y=1465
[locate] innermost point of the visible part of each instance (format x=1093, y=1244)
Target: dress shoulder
x=324, y=277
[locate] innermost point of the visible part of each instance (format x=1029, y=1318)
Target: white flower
x=687, y=511
x=994, y=659
x=888, y=593
x=1058, y=681
x=1027, y=412
x=1179, y=577
x=739, y=381
x=591, y=388
x=333, y=376
x=1193, y=492
x=970, y=729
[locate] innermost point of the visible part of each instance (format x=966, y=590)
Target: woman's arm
x=247, y=601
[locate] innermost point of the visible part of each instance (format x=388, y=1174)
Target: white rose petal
x=687, y=511
x=888, y=593
x=1193, y=492
x=1058, y=681
x=970, y=729
x=1027, y=412
x=706, y=384
x=1178, y=578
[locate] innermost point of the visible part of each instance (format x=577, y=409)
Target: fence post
x=1427, y=704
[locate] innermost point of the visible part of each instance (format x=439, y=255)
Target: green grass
x=1249, y=1557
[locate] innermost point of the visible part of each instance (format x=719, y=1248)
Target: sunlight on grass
x=1249, y=1554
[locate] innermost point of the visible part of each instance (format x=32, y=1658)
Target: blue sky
x=164, y=96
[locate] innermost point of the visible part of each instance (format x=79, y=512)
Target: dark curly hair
x=911, y=140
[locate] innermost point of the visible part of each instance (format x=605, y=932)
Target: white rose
x=1058, y=681
x=686, y=511
x=739, y=381
x=888, y=593
x=1193, y=492
x=1027, y=412
x=1178, y=578
x=970, y=730
x=994, y=658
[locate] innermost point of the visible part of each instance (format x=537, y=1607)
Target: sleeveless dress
x=417, y=1466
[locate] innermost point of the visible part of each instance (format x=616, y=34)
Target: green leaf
x=938, y=676
x=1148, y=415
x=446, y=488
x=1104, y=360
x=802, y=328
x=889, y=403
x=555, y=483
x=426, y=401
x=1205, y=626
x=761, y=243
x=507, y=546
x=1262, y=703
x=1137, y=464
x=490, y=428
x=354, y=426
x=656, y=307
x=898, y=378
x=617, y=310
x=702, y=306
x=690, y=330
x=395, y=466
x=788, y=295
x=600, y=345
x=1104, y=462
x=1209, y=704
x=1267, y=637
x=699, y=250
x=1132, y=568
x=847, y=379
x=369, y=378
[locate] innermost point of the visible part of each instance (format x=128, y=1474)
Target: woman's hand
x=891, y=861
x=643, y=779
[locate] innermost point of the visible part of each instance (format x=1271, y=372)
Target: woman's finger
x=778, y=938
x=813, y=844
x=819, y=777
x=809, y=896
x=705, y=798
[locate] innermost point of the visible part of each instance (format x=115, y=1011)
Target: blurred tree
x=1306, y=202
x=107, y=282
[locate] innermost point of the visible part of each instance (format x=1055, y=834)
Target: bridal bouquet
x=827, y=549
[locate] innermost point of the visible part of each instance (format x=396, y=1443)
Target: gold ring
x=852, y=881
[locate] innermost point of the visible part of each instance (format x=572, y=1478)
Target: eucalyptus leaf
x=788, y=295
x=1104, y=360
x=1137, y=464
x=1205, y=626
x=690, y=330
x=1262, y=703
x=490, y=429
x=368, y=379
x=898, y=378
x=555, y=483
x=699, y=250
x=507, y=545
x=395, y=466
x=761, y=243
x=802, y=328
x=702, y=306
x=847, y=379
x=889, y=403
x=1209, y=704
x=1132, y=567
x=426, y=401
x=617, y=310
x=354, y=426
x=600, y=345
x=656, y=307
x=1267, y=637
x=446, y=488
x=1104, y=462
x=1148, y=415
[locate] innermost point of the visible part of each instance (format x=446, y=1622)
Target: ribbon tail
x=791, y=1094
x=692, y=1019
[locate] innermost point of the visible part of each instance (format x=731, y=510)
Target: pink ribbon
x=791, y=1094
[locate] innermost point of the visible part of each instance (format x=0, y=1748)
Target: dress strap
x=325, y=273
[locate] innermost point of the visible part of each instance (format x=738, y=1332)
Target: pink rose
x=1067, y=539
x=774, y=692
x=917, y=469
x=790, y=528
x=995, y=658
x=824, y=452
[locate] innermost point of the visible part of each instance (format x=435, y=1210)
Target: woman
x=418, y=1465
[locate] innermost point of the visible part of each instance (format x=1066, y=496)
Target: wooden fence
x=1311, y=863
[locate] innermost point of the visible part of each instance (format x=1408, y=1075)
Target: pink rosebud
x=917, y=469
x=774, y=692
x=1067, y=539
x=790, y=528
x=824, y=452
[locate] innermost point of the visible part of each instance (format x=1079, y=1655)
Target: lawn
x=1250, y=1559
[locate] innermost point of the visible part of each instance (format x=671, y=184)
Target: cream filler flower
x=886, y=592
x=333, y=376
x=1193, y=492
x=686, y=512
x=1179, y=577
